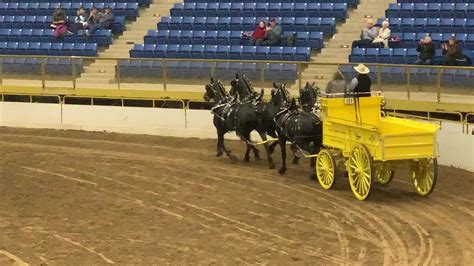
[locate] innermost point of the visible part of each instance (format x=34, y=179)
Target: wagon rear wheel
x=360, y=168
x=424, y=173
x=325, y=169
x=384, y=173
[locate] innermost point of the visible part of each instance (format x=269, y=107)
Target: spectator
x=259, y=34
x=337, y=86
x=273, y=34
x=381, y=41
x=92, y=21
x=426, y=50
x=59, y=23
x=106, y=19
x=360, y=85
x=80, y=20
x=453, y=55
x=367, y=35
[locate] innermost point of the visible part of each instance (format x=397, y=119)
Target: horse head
x=280, y=95
x=241, y=86
x=215, y=91
x=309, y=96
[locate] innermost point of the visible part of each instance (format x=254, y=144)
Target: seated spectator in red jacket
x=259, y=34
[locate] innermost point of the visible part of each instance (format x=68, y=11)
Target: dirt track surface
x=69, y=198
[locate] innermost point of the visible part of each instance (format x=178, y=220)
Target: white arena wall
x=456, y=148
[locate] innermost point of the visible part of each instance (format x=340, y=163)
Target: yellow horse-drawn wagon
x=368, y=144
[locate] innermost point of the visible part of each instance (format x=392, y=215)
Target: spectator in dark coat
x=102, y=20
x=426, y=50
x=59, y=23
x=92, y=21
x=80, y=21
x=273, y=34
x=360, y=85
x=259, y=34
x=453, y=55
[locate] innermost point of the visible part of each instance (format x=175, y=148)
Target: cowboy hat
x=362, y=69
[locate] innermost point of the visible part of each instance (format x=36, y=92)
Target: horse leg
x=271, y=164
x=220, y=143
x=296, y=159
x=227, y=152
x=271, y=147
x=282, y=142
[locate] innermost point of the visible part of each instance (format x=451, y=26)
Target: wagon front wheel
x=325, y=169
x=384, y=173
x=424, y=173
x=360, y=168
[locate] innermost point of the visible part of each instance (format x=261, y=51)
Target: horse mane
x=222, y=90
x=247, y=83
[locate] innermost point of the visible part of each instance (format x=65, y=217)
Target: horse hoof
x=295, y=161
x=312, y=177
x=272, y=166
x=219, y=153
x=246, y=159
x=282, y=170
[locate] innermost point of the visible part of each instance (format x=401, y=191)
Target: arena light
x=368, y=16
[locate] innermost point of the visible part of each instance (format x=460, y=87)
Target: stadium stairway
x=337, y=49
x=101, y=73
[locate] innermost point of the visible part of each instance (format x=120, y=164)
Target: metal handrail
x=260, y=67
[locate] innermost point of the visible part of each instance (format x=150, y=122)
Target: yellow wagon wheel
x=424, y=173
x=384, y=173
x=325, y=169
x=360, y=168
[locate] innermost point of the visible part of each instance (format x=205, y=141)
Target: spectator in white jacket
x=381, y=41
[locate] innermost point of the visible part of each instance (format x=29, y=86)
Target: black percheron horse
x=232, y=116
x=302, y=129
x=242, y=87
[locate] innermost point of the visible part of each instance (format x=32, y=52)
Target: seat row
x=301, y=39
x=140, y=2
x=53, y=49
x=430, y=10
x=393, y=55
x=418, y=76
x=101, y=37
x=128, y=10
x=154, y=69
x=33, y=66
x=443, y=25
x=434, y=1
x=234, y=52
x=240, y=9
x=325, y=25
x=410, y=39
x=44, y=22
x=349, y=2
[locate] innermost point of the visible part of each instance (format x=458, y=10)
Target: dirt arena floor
x=76, y=198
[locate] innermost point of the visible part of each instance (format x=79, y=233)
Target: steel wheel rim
x=424, y=176
x=325, y=169
x=360, y=172
x=384, y=173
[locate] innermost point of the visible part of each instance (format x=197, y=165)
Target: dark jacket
x=454, y=51
x=106, y=20
x=363, y=85
x=274, y=34
x=426, y=50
